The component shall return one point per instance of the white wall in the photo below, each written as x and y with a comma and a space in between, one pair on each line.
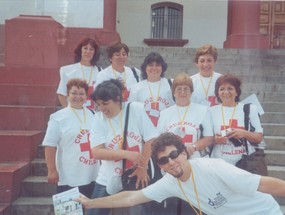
70, 13
204, 21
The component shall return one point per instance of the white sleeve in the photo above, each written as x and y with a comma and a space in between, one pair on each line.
62, 89
53, 134
207, 125
254, 119
98, 131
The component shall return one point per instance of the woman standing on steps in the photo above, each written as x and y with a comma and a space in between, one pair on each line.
228, 122
118, 56
68, 155
86, 57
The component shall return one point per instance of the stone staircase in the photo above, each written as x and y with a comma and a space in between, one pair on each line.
35, 98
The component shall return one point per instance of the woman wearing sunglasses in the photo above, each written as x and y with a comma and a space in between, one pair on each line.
107, 138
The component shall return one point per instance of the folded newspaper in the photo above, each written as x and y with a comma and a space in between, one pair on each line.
64, 203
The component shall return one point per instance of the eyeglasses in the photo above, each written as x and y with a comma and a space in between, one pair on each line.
164, 160
182, 89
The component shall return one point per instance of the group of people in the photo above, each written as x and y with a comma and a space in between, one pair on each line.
175, 130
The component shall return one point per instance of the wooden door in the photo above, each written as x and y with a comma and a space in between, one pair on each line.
272, 22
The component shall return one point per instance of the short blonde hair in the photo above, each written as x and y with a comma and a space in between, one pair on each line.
206, 49
182, 79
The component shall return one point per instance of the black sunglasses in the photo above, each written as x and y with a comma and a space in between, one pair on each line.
165, 159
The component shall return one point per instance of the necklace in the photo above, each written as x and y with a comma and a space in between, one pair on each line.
91, 74
114, 72
195, 190
208, 87
158, 92
121, 126
76, 114
223, 117
184, 116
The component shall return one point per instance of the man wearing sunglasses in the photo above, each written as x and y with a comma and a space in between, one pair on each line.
212, 186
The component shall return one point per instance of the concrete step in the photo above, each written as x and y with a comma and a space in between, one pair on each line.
275, 142
35, 76
265, 87
273, 117
275, 157
277, 171
24, 117
37, 95
273, 106
11, 176
32, 206
39, 167
273, 129
37, 186
26, 143
266, 96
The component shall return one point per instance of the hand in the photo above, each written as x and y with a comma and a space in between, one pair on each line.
86, 202
53, 177
236, 133
190, 148
142, 176
136, 157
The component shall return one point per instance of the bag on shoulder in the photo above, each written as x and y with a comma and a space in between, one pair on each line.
129, 183
256, 162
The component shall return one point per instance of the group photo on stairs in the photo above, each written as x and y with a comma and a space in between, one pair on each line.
92, 94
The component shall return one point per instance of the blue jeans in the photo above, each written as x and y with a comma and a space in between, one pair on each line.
99, 191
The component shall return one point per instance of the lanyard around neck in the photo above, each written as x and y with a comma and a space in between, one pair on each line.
223, 117
91, 74
208, 87
158, 91
196, 193
121, 126
184, 116
74, 111
114, 72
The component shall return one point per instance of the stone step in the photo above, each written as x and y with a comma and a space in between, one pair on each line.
11, 176
277, 171
32, 206
266, 96
35, 76
24, 117
26, 143
272, 129
275, 157
275, 142
273, 106
39, 167
265, 87
37, 186
24, 94
273, 117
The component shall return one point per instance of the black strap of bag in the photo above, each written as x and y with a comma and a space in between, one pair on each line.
125, 133
135, 74
246, 109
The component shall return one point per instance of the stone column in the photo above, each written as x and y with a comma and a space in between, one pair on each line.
243, 26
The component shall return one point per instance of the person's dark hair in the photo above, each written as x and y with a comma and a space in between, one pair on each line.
164, 140
116, 47
230, 79
84, 42
206, 49
77, 82
109, 90
153, 57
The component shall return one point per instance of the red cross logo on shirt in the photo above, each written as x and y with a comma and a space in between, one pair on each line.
92, 103
234, 124
154, 119
188, 138
133, 149
213, 100
85, 147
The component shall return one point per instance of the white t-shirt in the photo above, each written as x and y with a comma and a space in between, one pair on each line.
87, 73
228, 151
222, 190
156, 96
199, 94
140, 129
74, 161
189, 131
126, 77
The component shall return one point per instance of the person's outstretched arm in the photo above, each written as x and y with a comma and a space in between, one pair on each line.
273, 186
122, 199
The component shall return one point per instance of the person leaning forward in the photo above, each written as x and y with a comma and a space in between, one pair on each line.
208, 184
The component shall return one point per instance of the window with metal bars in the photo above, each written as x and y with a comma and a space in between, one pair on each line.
166, 21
